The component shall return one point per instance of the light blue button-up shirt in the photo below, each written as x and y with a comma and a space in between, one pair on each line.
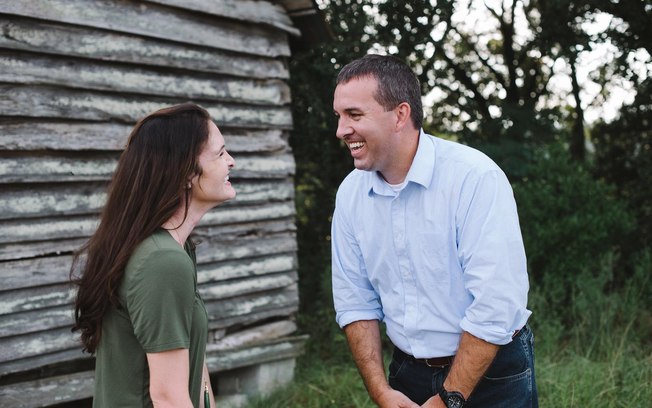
442, 256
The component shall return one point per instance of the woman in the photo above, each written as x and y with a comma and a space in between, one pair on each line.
137, 307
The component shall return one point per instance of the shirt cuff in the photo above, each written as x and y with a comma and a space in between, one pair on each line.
348, 317
490, 333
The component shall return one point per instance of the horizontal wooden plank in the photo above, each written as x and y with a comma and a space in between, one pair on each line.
262, 167
76, 386
49, 102
36, 321
277, 244
298, 7
26, 273
252, 11
268, 210
58, 168
28, 135
29, 69
26, 34
242, 232
233, 288
22, 250
48, 391
34, 298
47, 201
156, 21
222, 360
220, 271
55, 228
56, 200
52, 270
41, 360
47, 229
19, 347
255, 335
248, 309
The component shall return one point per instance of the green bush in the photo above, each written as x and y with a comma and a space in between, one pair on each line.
573, 227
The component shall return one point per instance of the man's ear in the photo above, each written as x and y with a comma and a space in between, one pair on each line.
403, 115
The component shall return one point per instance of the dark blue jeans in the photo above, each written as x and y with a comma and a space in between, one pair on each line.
508, 383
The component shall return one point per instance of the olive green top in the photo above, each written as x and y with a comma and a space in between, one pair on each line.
160, 310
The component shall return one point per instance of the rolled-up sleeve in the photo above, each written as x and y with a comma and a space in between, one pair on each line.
353, 295
492, 256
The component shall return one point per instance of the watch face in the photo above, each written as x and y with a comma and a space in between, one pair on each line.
454, 401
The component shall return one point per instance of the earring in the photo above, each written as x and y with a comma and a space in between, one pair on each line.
189, 186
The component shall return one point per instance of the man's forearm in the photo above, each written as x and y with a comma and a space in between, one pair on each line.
473, 358
364, 341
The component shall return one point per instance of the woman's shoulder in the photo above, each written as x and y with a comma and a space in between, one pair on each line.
160, 252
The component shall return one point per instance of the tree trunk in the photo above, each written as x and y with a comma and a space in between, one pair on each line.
577, 148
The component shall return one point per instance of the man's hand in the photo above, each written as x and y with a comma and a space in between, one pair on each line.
394, 399
434, 402
364, 341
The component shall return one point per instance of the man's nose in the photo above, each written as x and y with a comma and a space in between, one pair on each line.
343, 129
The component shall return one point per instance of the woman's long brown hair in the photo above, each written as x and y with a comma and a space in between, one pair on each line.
148, 186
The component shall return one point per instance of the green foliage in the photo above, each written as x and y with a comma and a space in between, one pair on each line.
322, 161
624, 158
490, 81
577, 382
573, 228
568, 218
586, 229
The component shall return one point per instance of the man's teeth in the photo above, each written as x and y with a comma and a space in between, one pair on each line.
356, 145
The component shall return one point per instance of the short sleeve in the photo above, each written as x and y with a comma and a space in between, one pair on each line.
160, 299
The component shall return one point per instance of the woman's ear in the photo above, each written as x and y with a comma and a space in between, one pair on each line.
192, 180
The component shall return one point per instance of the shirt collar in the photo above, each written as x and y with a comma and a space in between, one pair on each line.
420, 171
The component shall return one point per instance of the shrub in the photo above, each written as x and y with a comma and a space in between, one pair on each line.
573, 226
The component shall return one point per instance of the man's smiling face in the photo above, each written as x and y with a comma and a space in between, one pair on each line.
364, 125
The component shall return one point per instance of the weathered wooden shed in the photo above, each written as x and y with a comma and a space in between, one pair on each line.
75, 75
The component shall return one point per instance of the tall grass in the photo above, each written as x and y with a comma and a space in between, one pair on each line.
603, 360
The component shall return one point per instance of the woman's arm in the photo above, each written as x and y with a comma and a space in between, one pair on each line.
169, 372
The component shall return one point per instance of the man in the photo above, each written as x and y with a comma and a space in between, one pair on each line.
425, 237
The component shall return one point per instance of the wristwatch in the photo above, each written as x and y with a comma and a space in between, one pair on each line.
452, 399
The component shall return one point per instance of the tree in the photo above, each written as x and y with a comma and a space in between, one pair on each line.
623, 147
489, 71
322, 162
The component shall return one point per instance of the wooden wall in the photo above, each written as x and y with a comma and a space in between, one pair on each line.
75, 75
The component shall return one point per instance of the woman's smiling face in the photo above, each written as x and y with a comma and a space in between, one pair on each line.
213, 186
